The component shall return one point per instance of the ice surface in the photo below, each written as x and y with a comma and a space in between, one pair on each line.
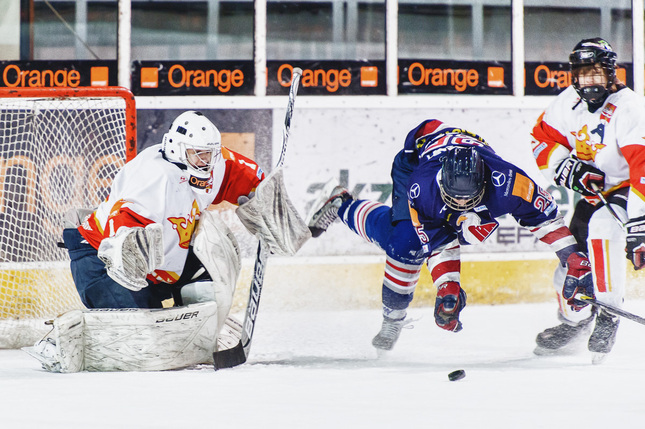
317, 369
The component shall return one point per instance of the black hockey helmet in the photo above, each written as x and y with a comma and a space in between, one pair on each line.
587, 53
462, 178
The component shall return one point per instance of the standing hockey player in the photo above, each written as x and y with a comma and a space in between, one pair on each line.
591, 139
456, 187
153, 239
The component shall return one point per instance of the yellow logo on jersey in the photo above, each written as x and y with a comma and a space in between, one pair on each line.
586, 150
185, 226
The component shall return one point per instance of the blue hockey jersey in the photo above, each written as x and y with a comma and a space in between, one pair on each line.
508, 190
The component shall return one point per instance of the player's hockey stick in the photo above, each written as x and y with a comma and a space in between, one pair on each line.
611, 309
238, 354
613, 213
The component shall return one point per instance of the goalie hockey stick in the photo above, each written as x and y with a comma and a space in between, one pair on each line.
611, 309
238, 354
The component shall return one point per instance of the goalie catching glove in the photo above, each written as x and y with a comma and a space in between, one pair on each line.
451, 299
578, 280
133, 253
579, 176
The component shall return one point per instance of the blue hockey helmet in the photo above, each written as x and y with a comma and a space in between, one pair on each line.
461, 180
589, 52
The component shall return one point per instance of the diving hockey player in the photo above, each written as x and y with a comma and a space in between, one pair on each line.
456, 186
591, 139
153, 239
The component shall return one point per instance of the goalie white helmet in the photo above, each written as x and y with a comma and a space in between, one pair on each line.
194, 142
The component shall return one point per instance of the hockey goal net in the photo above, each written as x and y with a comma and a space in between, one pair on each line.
59, 149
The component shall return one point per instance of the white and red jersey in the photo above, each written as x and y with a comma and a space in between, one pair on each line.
150, 189
612, 139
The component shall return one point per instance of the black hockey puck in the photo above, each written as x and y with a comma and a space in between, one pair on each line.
457, 375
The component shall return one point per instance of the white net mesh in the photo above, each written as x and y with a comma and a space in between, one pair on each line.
55, 155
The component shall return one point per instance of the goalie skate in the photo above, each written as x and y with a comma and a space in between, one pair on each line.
325, 209
45, 352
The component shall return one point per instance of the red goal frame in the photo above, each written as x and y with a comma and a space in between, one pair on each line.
89, 91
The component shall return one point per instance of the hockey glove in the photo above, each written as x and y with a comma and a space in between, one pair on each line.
578, 280
636, 242
474, 230
579, 176
451, 299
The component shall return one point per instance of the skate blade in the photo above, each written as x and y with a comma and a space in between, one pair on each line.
539, 351
598, 358
563, 351
381, 353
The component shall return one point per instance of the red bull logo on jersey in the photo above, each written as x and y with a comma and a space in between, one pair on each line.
185, 226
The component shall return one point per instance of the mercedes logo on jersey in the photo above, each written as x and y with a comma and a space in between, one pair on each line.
498, 178
415, 190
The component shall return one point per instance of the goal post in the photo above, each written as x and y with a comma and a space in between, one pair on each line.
59, 149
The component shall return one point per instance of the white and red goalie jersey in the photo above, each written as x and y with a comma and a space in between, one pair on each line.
150, 189
612, 139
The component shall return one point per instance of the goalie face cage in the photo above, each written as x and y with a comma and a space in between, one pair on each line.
59, 149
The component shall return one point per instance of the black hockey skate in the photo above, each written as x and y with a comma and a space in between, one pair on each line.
557, 340
325, 209
603, 337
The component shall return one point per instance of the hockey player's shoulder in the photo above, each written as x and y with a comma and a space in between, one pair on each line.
567, 98
426, 195
560, 107
148, 155
150, 163
241, 164
231, 155
626, 99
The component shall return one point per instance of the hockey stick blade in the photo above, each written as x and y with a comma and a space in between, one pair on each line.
610, 308
238, 354
230, 357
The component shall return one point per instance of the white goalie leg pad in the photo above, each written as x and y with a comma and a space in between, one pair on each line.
272, 218
203, 291
150, 340
130, 339
216, 247
133, 253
